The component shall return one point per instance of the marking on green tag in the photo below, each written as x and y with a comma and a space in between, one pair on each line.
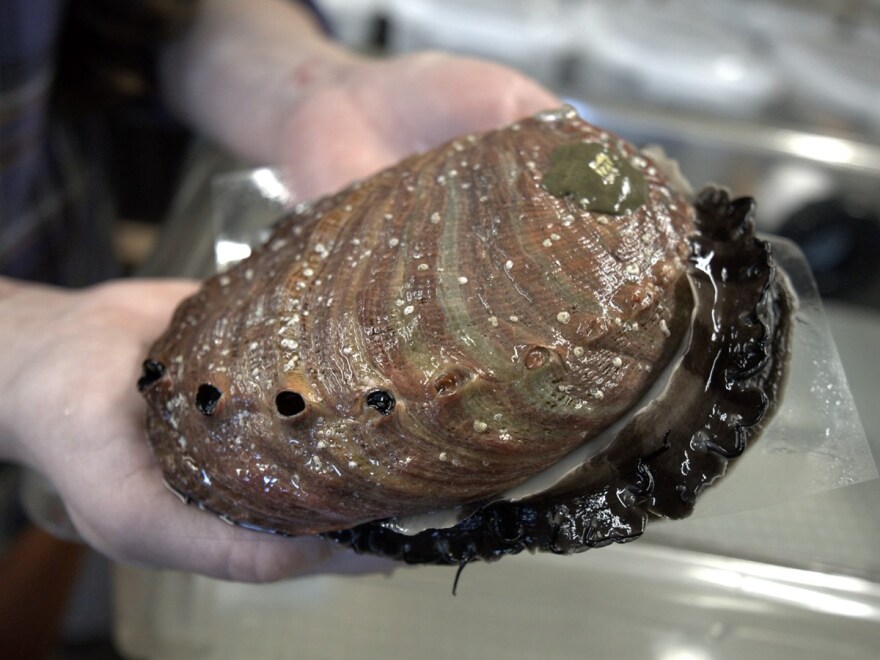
597, 178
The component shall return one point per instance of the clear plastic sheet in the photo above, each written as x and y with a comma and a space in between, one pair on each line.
244, 206
815, 442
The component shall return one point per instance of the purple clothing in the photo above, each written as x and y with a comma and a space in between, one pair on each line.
56, 211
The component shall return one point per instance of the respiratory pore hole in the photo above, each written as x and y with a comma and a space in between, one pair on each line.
381, 400
207, 398
289, 403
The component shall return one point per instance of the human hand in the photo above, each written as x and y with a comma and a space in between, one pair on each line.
69, 408
261, 79
372, 113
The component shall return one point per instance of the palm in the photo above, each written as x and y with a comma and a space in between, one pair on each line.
90, 440
383, 111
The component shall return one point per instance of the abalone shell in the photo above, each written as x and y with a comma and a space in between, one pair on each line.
439, 333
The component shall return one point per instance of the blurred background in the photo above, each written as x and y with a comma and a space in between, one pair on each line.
778, 99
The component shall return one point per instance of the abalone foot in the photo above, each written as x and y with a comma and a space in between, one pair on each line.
719, 397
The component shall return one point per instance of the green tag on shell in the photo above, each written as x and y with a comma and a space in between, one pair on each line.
599, 179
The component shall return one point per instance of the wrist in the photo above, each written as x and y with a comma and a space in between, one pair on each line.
35, 321
302, 78
243, 66
9, 329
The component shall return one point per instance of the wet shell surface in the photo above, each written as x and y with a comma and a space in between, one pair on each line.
444, 331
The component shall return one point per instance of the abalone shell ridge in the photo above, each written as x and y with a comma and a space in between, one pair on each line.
507, 324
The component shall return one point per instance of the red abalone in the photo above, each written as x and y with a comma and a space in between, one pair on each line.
443, 331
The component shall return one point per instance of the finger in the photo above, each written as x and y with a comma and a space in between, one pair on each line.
150, 298
146, 524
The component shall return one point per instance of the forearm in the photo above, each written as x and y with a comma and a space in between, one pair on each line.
243, 66
9, 289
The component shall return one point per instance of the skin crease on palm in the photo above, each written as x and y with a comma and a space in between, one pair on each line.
69, 360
